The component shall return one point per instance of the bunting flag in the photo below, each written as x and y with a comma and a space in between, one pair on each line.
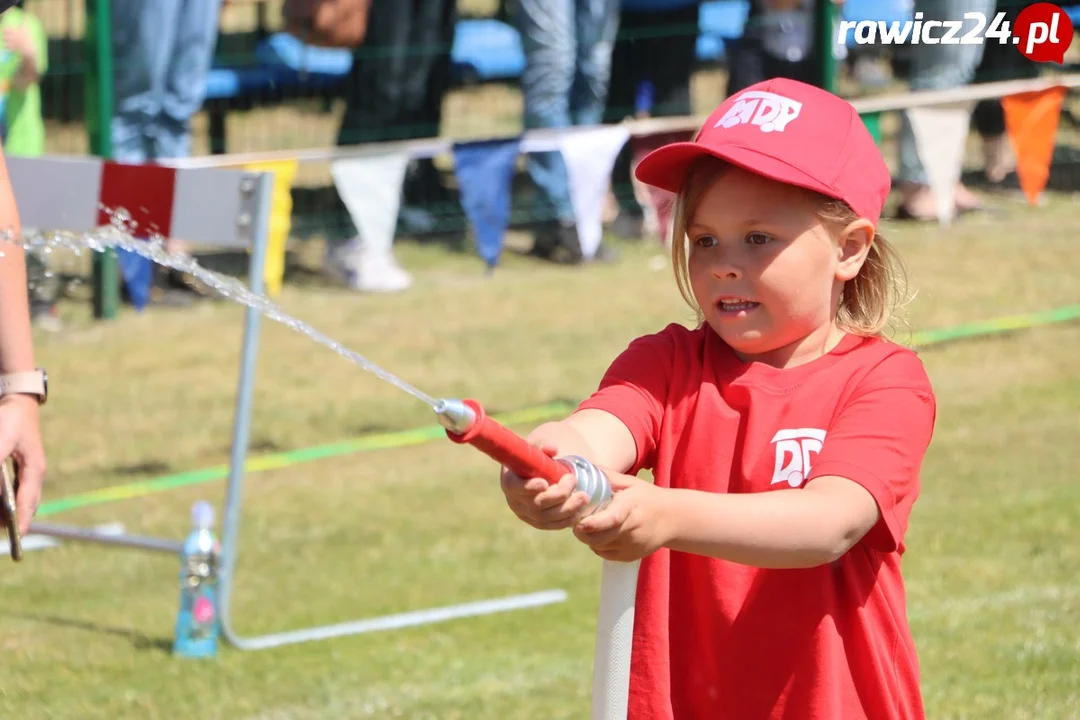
1031, 120
370, 187
940, 139
146, 193
590, 155
656, 202
485, 172
284, 172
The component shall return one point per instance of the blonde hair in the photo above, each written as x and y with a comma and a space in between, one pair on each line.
869, 300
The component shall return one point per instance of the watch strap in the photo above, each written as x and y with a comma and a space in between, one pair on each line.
31, 382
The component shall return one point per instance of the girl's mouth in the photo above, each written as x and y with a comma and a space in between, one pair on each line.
734, 306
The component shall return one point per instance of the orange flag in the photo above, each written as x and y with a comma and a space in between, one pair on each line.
1032, 120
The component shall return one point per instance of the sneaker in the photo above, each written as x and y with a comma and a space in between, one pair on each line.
605, 254
366, 270
558, 243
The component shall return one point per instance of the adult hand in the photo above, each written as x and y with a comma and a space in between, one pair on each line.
20, 438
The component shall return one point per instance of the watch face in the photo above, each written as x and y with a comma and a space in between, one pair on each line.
44, 385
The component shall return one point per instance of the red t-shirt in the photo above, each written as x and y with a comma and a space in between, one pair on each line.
716, 639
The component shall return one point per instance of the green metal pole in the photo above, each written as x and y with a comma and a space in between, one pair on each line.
824, 17
98, 94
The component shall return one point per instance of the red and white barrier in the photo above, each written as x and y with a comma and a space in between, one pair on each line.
210, 206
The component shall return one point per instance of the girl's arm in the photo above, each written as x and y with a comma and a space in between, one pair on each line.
595, 435
781, 529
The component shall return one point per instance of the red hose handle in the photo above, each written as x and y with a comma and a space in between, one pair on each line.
508, 448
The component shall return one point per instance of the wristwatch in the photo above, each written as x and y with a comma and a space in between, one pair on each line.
32, 382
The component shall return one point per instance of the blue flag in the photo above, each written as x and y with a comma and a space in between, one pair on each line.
484, 172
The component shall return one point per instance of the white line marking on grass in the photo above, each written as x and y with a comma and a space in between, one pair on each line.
42, 542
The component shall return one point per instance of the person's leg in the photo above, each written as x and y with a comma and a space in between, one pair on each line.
658, 48
630, 59
936, 67
432, 37
195, 29
141, 51
628, 66
676, 48
746, 63
597, 25
376, 101
999, 62
374, 88
549, 40
195, 36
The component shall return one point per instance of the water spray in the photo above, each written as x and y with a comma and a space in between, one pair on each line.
465, 422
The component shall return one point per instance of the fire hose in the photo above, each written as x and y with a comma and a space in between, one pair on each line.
466, 422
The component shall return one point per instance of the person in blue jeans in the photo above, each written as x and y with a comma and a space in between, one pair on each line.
162, 50
161, 55
568, 46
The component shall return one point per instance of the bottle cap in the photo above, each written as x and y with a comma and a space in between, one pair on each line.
202, 514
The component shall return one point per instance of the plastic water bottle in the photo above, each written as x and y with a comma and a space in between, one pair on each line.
197, 622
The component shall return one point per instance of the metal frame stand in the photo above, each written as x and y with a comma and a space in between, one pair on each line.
228, 208
233, 498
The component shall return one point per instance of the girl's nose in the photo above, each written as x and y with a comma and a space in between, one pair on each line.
726, 270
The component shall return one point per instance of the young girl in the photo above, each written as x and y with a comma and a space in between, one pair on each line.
784, 434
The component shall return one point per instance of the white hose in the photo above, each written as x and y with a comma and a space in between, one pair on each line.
614, 636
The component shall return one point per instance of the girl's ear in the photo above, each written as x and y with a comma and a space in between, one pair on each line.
853, 246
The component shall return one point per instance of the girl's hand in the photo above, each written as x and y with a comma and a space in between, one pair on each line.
629, 528
20, 438
544, 507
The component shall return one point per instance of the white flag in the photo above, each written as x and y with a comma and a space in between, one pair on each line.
370, 187
940, 138
590, 155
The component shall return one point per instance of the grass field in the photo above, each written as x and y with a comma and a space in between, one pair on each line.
993, 568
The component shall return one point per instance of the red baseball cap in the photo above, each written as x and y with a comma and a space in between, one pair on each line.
790, 132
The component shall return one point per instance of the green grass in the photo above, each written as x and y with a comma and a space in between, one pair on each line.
992, 567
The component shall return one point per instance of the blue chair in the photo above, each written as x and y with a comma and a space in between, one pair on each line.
720, 22
486, 50
224, 83
287, 52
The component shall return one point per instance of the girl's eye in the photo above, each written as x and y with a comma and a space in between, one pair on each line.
705, 241
757, 238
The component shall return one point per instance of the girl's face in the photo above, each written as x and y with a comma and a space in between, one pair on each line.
765, 271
